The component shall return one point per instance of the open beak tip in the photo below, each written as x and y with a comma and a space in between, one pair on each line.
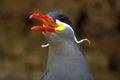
32, 28
34, 15
31, 16
37, 28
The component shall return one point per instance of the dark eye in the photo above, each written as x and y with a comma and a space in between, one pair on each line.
62, 18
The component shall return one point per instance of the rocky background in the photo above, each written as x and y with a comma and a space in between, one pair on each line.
22, 58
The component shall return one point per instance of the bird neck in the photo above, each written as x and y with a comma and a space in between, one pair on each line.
66, 53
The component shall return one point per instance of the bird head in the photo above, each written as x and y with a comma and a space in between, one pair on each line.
54, 24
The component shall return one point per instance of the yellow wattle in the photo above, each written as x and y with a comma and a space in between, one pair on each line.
60, 27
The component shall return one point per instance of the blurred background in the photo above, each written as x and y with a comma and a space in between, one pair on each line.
21, 55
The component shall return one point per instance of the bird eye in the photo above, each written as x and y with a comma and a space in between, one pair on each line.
62, 18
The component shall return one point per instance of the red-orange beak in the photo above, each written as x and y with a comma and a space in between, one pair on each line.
48, 22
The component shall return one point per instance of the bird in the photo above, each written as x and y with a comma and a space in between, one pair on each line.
66, 60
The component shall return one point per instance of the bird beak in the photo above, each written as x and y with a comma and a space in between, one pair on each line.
49, 24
